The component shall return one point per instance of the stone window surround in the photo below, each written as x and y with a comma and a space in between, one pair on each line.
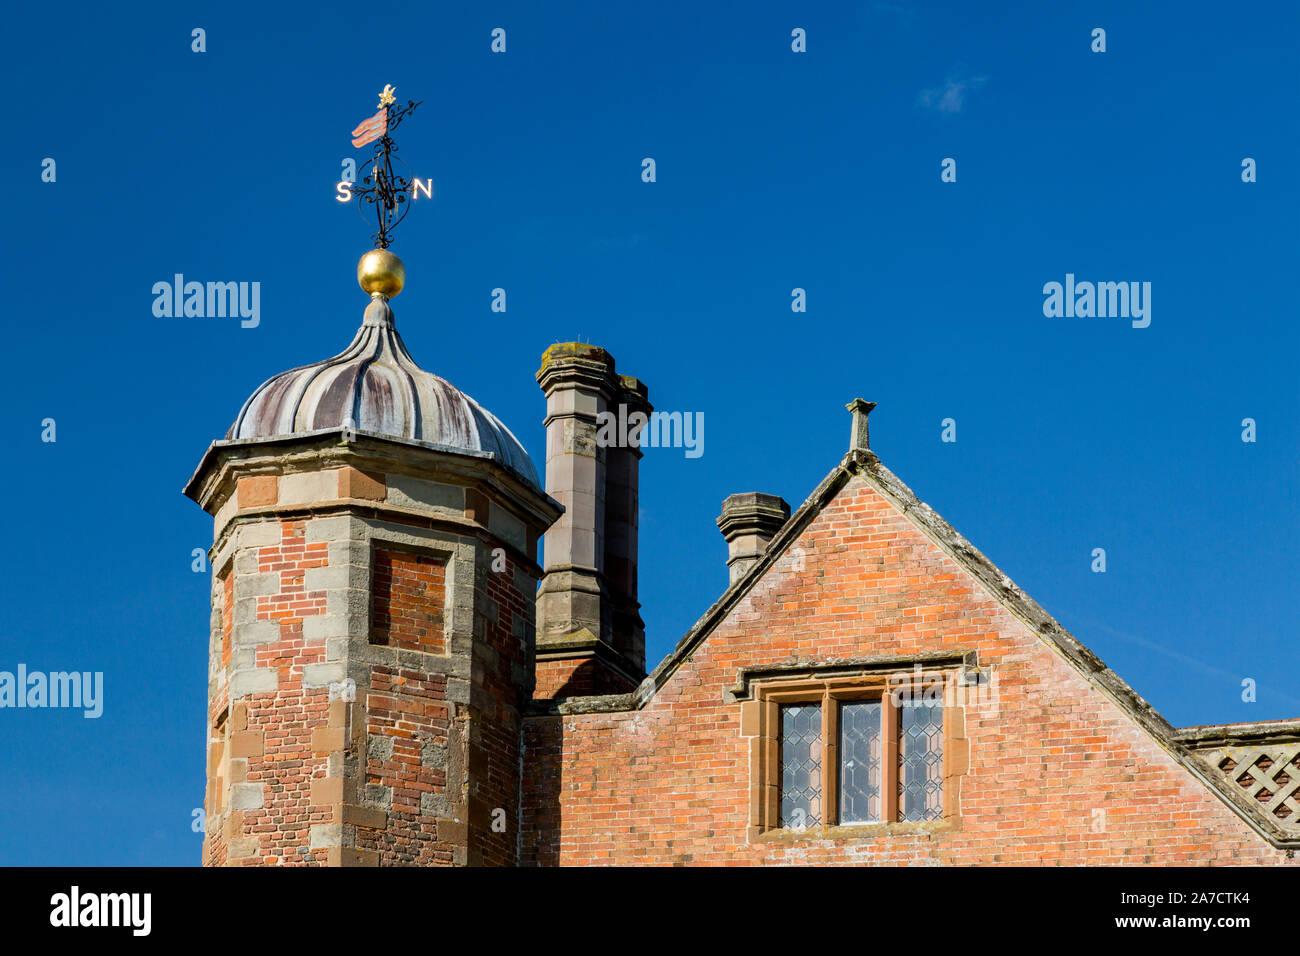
828, 685
455, 551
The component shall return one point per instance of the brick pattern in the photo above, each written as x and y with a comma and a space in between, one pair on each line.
406, 769
407, 601
578, 677
502, 662
272, 761
1057, 772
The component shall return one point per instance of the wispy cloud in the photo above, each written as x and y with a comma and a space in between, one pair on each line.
950, 97
1193, 662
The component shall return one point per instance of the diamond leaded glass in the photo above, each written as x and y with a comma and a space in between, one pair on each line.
860, 762
920, 760
801, 765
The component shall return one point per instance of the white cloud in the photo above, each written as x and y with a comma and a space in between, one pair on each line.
950, 97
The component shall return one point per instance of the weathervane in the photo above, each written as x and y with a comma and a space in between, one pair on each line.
382, 188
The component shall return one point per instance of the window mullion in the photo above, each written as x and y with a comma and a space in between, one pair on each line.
888, 759
830, 761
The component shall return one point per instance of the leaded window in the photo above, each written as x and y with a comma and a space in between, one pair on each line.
860, 761
851, 754
920, 761
801, 765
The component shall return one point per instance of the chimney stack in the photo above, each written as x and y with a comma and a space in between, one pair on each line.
749, 521
622, 507
590, 637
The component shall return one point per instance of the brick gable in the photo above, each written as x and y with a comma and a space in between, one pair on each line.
1065, 765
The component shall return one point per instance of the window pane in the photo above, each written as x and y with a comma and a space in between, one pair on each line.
801, 765
920, 760
860, 762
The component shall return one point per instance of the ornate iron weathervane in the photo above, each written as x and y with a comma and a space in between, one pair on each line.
382, 188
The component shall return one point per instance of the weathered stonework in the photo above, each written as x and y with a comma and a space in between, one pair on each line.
749, 521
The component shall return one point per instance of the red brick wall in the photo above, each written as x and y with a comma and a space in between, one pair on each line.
501, 665
276, 736
407, 602
670, 783
480, 743
578, 677
410, 708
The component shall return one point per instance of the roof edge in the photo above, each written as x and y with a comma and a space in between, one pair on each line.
353, 444
222, 444
1211, 736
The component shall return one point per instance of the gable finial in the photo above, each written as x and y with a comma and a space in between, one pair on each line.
858, 432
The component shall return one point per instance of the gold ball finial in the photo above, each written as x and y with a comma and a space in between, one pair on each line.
381, 273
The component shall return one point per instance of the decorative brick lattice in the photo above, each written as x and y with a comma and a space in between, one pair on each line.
1269, 775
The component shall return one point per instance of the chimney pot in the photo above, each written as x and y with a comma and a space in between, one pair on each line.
749, 521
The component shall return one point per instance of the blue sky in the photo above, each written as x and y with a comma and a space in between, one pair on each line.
775, 170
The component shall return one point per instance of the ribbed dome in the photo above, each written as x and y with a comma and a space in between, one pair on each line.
375, 386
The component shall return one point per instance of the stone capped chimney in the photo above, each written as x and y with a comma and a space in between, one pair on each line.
749, 521
590, 637
622, 507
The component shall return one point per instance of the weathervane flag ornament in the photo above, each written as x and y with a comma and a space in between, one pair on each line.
369, 130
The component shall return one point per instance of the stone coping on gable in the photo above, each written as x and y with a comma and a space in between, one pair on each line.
1213, 736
